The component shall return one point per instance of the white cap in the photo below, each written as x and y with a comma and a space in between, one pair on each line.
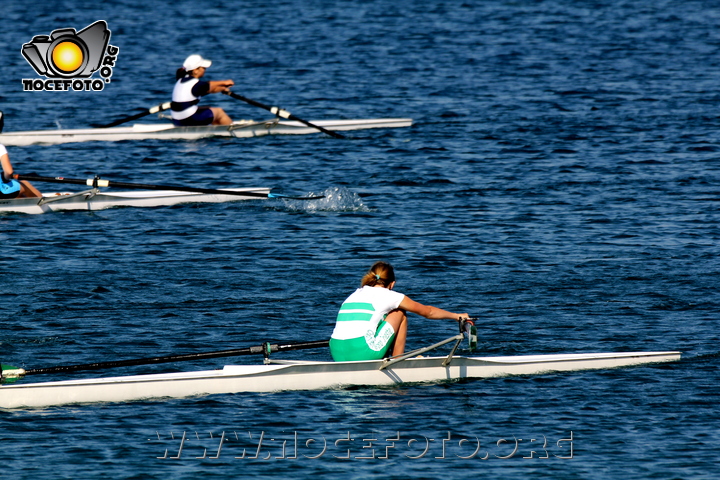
195, 61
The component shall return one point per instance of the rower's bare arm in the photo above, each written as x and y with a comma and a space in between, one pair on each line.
6, 166
217, 86
428, 311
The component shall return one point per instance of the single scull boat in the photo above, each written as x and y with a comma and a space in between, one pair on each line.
275, 375
167, 131
94, 199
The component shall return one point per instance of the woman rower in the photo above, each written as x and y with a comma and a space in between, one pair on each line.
188, 90
9, 187
373, 318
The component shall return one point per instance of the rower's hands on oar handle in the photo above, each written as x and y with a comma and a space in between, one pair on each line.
467, 327
221, 86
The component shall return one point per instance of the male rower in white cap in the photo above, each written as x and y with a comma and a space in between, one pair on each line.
188, 90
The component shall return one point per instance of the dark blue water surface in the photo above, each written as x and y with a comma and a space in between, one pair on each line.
560, 183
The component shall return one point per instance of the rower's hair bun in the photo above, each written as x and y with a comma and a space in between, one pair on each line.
381, 273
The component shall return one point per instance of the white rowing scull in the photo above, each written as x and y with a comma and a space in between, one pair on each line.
94, 199
168, 131
277, 375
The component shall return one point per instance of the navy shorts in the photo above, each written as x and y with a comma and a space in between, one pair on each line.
203, 116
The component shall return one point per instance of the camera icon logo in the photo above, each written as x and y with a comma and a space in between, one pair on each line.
66, 53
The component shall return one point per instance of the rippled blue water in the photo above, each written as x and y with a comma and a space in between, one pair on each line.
560, 183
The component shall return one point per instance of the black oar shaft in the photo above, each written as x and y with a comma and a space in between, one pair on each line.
264, 349
283, 113
98, 182
107, 183
156, 109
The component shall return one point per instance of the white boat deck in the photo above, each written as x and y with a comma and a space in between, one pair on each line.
89, 200
168, 131
294, 375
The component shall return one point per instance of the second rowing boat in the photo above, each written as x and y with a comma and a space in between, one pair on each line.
96, 200
167, 131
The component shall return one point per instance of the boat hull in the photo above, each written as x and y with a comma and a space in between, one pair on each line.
53, 202
279, 376
242, 129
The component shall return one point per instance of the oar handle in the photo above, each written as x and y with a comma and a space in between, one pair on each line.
282, 113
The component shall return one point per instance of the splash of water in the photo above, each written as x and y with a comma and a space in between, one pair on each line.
336, 199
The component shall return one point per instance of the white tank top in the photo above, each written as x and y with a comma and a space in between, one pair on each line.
183, 99
364, 310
